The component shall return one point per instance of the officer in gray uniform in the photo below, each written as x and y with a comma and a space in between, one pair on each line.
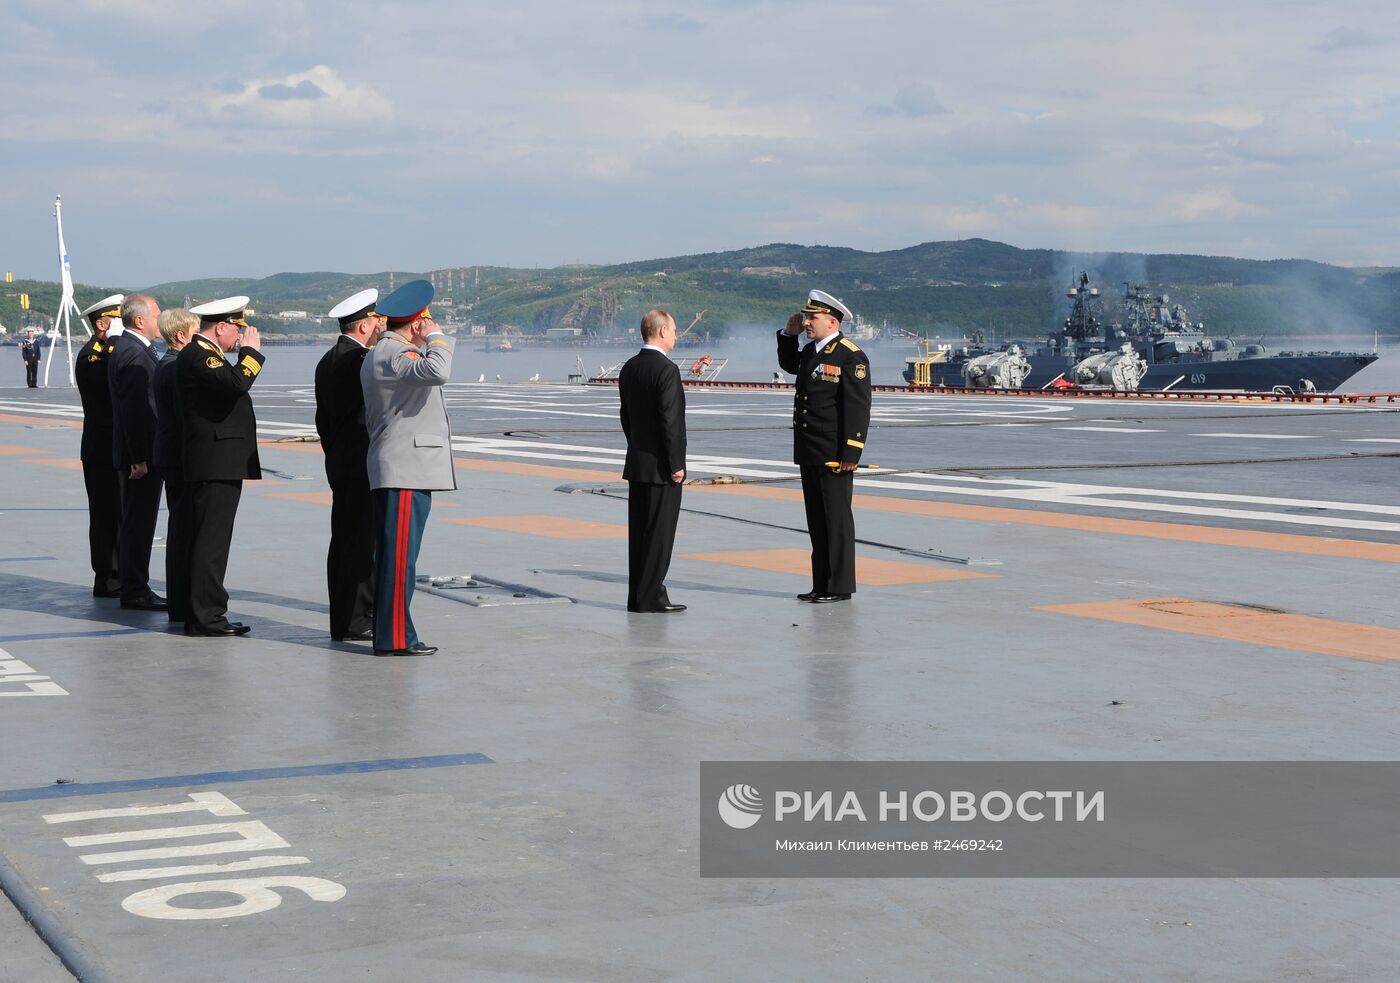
830, 420
410, 453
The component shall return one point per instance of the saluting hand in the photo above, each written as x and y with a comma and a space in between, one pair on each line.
794, 325
251, 338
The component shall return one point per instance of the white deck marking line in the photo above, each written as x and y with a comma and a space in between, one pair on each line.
1111, 429
1258, 436
1371, 440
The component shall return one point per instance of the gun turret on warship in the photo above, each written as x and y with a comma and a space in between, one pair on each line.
1154, 347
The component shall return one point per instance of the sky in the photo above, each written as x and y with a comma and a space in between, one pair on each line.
248, 137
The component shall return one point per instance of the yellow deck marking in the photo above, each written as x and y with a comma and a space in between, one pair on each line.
553, 526
1298, 632
7, 449
66, 463
872, 573
47, 421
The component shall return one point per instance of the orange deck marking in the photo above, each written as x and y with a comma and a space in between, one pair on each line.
66, 463
6, 449
1280, 542
1300, 633
48, 421
552, 526
539, 470
872, 573
315, 498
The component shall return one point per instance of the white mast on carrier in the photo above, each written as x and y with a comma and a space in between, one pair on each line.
67, 308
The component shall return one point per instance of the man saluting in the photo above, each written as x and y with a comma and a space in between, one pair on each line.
410, 453
340, 423
830, 419
219, 449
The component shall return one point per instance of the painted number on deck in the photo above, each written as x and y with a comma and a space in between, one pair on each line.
17, 679
252, 895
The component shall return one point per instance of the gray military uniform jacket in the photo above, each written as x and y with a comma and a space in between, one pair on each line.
410, 442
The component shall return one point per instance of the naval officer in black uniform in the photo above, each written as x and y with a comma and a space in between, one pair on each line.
104, 493
653, 418
340, 421
831, 417
29, 351
219, 447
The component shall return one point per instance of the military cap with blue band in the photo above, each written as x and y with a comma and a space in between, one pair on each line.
408, 303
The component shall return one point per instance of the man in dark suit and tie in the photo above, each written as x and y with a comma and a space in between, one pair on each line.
104, 490
653, 418
131, 376
219, 447
340, 421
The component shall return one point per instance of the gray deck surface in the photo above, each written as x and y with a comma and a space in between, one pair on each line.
572, 854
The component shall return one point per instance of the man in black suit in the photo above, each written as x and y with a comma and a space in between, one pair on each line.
340, 421
219, 445
177, 327
653, 418
830, 421
104, 490
131, 376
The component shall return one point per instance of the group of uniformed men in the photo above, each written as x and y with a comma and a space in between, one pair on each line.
185, 422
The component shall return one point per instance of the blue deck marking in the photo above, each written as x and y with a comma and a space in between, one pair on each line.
251, 775
46, 635
22, 559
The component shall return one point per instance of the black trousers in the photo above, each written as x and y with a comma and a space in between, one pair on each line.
104, 495
350, 559
213, 506
652, 511
31, 374
177, 548
827, 496
140, 510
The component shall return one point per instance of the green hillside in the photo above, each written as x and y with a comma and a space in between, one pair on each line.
943, 287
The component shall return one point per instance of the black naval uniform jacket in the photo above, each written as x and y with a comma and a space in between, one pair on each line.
340, 411
831, 414
219, 437
653, 418
90, 373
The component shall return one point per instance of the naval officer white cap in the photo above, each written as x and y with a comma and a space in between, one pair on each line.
110, 306
355, 306
820, 302
230, 309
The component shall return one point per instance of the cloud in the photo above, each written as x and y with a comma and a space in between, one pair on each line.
317, 97
915, 100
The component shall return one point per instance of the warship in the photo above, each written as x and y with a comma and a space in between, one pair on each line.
1154, 347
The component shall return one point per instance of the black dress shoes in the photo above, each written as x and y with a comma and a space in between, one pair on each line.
151, 602
355, 636
811, 594
664, 609
829, 598
226, 631
417, 648
103, 592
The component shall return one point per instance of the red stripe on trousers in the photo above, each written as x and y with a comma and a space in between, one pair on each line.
401, 569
